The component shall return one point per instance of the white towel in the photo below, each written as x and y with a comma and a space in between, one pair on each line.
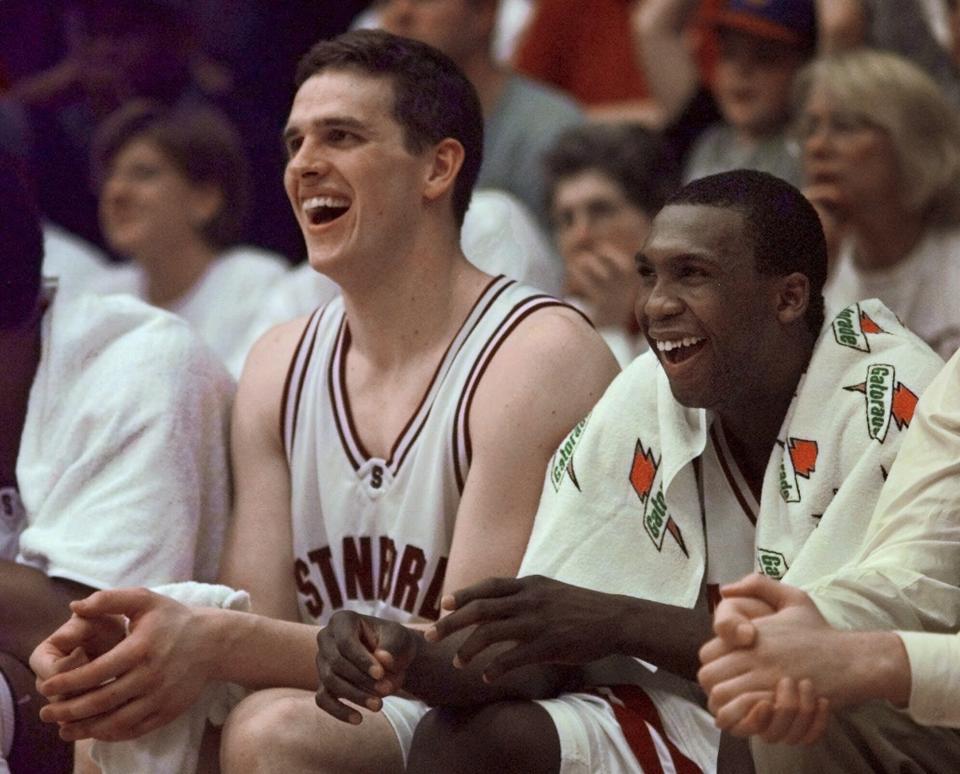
620, 508
122, 467
174, 748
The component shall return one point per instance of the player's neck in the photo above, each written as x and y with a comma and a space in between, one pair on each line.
752, 425
415, 312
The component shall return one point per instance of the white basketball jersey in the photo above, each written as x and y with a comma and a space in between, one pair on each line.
370, 534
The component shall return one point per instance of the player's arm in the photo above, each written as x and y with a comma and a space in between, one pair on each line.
543, 380
258, 554
172, 651
549, 622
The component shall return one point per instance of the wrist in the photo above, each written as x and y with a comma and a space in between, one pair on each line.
892, 681
876, 668
214, 638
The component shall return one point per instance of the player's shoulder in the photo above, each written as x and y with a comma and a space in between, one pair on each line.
553, 327
552, 346
270, 356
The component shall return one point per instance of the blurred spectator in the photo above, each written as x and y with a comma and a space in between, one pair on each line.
605, 183
916, 29
586, 49
762, 46
173, 195
113, 52
521, 118
881, 154
71, 63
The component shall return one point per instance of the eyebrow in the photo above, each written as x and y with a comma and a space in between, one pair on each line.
641, 257
343, 122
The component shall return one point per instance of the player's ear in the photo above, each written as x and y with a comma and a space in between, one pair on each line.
445, 163
793, 297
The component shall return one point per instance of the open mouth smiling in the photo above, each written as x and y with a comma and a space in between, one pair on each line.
325, 209
676, 351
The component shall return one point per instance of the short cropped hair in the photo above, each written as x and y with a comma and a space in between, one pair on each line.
886, 91
200, 141
783, 226
21, 246
634, 157
433, 99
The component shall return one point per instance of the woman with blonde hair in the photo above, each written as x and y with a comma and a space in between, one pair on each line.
881, 155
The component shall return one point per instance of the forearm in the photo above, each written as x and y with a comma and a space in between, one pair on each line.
31, 606
259, 652
434, 679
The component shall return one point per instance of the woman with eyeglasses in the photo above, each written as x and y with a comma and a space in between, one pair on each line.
880, 147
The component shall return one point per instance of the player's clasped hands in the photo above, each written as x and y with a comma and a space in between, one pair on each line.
756, 678
110, 684
548, 622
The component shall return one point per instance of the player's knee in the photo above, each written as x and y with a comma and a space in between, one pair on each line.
258, 732
506, 737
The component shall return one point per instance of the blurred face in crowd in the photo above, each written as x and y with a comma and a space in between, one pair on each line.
845, 152
753, 80
591, 214
455, 27
146, 201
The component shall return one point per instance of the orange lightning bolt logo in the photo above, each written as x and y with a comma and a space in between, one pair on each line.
642, 472
904, 404
803, 455
867, 325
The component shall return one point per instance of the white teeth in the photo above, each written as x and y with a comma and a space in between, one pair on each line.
315, 202
687, 341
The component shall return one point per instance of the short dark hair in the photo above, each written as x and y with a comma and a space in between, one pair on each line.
634, 157
433, 100
21, 246
201, 143
784, 227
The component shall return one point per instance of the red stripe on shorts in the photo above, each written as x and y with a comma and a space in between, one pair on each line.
634, 715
